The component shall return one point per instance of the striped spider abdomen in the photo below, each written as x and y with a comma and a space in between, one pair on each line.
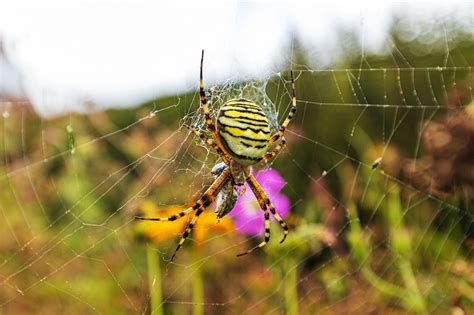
244, 130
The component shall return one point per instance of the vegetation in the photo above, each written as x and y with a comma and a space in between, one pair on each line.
379, 178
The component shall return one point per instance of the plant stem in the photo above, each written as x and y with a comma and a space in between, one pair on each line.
154, 281
197, 286
383, 286
291, 287
400, 242
416, 299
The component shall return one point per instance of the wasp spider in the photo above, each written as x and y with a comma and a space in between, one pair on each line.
241, 137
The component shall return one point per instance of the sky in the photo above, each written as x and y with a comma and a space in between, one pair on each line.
62, 55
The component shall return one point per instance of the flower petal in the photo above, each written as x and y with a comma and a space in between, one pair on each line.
250, 223
281, 204
270, 180
247, 214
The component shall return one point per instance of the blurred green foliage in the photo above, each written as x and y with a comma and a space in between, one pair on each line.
363, 239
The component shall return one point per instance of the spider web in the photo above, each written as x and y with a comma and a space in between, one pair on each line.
367, 233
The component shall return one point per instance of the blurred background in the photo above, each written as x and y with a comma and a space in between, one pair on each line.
376, 182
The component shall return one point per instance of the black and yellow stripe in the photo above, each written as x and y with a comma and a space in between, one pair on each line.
205, 108
244, 130
292, 112
265, 202
201, 204
266, 237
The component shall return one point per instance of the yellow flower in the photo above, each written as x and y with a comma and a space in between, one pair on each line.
207, 222
159, 232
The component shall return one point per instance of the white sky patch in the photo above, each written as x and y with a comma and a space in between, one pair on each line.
121, 53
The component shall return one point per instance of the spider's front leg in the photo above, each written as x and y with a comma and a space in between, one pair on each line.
264, 202
267, 233
201, 204
263, 199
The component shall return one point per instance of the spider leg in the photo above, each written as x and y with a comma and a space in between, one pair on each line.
292, 112
202, 94
264, 201
170, 218
202, 203
211, 143
276, 150
188, 230
242, 191
267, 234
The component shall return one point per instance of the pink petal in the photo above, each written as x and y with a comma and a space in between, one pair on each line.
247, 215
270, 180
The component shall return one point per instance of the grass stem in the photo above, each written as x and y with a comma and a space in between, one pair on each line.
197, 286
291, 287
154, 281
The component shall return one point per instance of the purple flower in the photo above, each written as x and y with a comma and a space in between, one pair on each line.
247, 214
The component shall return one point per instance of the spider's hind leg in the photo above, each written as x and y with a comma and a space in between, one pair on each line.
276, 150
210, 142
205, 108
279, 134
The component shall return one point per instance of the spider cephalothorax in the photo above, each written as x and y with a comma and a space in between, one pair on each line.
241, 136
